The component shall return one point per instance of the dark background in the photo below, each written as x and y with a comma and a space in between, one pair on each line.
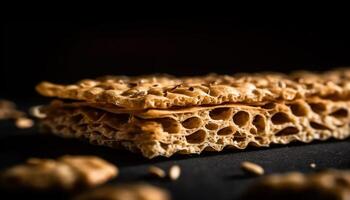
65, 51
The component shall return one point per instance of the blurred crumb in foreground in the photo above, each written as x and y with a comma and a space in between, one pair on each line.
138, 191
9, 111
324, 185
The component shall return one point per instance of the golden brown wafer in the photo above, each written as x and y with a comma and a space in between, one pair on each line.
161, 115
193, 130
164, 91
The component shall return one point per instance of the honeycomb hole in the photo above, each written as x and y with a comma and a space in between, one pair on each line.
191, 123
260, 140
238, 137
317, 107
298, 109
269, 106
290, 130
197, 137
226, 131
340, 113
253, 131
211, 126
319, 126
220, 113
209, 148
169, 125
164, 146
115, 121
259, 123
241, 118
280, 118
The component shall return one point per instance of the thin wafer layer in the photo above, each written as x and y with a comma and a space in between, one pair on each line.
163, 91
193, 130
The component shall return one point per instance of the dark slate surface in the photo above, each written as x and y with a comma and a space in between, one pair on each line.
207, 176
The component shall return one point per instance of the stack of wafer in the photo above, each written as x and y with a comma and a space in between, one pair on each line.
160, 115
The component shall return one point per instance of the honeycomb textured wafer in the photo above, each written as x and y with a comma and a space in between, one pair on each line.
163, 91
330, 184
155, 132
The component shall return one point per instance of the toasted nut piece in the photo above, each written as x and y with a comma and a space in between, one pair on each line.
140, 191
174, 172
156, 171
35, 112
252, 168
313, 165
24, 122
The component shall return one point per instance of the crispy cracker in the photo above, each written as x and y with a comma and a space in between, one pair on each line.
161, 115
163, 91
193, 130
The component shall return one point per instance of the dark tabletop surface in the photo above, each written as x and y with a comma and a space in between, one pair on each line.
66, 51
207, 176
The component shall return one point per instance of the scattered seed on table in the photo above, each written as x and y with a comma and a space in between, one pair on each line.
313, 165
252, 168
156, 171
174, 172
23, 122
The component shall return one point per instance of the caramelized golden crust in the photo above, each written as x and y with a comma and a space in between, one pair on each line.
163, 91
193, 130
